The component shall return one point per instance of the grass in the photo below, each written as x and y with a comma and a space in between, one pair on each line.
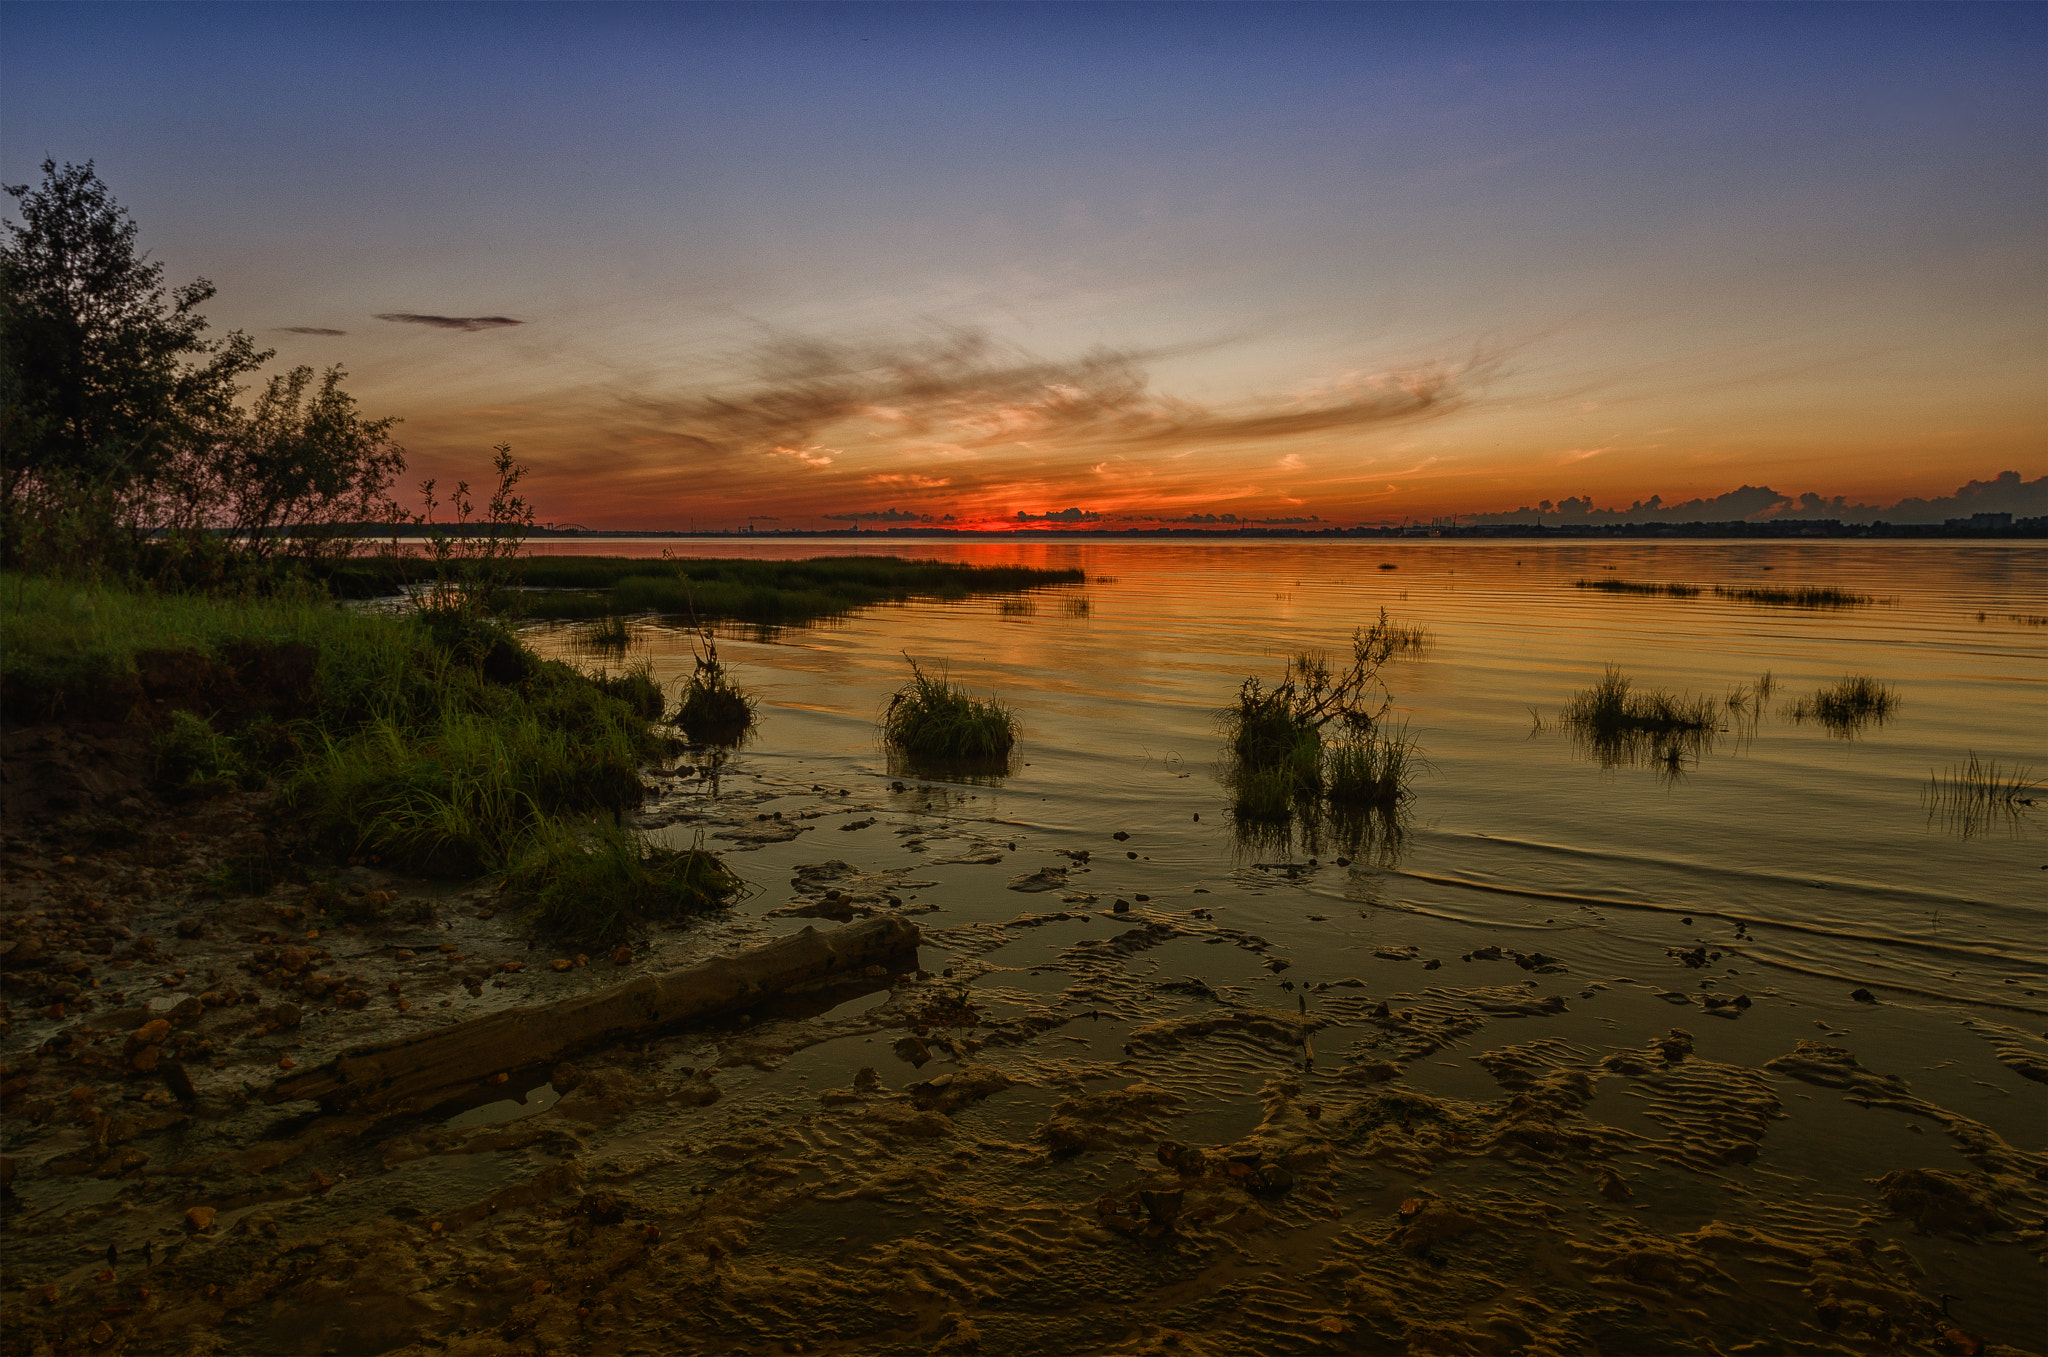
768, 593
609, 632
1803, 596
1849, 704
1283, 760
1370, 768
1639, 587
1624, 725
399, 740
596, 881
934, 718
714, 710
1971, 798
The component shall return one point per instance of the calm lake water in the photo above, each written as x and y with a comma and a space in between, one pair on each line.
1822, 842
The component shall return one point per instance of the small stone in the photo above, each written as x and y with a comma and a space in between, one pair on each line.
1120, 836
200, 1218
1863, 996
623, 956
562, 963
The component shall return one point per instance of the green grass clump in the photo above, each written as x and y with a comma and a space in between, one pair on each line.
1639, 587
425, 744
593, 882
1849, 705
1264, 795
767, 593
1804, 596
609, 632
1623, 725
934, 718
714, 710
1612, 707
634, 686
1370, 768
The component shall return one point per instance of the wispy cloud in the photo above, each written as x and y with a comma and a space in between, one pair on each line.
961, 386
444, 322
308, 330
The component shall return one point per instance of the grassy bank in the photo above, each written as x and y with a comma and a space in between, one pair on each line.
770, 593
442, 750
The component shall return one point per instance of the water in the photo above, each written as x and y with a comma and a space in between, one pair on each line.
1794, 1016
1822, 844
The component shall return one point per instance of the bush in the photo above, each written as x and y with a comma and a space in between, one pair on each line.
592, 882
194, 759
932, 718
714, 709
636, 688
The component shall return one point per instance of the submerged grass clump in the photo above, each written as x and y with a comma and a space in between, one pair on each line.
1282, 759
1639, 587
1848, 705
714, 710
1622, 725
607, 633
1613, 708
1969, 799
1803, 596
595, 881
934, 718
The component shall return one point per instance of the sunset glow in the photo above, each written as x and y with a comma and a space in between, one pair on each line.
816, 266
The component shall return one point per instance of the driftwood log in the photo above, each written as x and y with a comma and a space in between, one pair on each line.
409, 1069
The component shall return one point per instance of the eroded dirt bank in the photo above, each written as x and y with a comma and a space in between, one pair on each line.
1083, 1120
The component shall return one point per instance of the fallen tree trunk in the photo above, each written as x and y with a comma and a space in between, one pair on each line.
387, 1073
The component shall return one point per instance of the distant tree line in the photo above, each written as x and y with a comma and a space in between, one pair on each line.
125, 441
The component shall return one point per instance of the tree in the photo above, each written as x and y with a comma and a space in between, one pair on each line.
106, 375
279, 478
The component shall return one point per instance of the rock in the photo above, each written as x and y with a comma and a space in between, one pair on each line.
200, 1218
623, 956
1120, 836
1863, 996
1044, 879
914, 1050
1614, 1187
286, 1015
562, 963
151, 1033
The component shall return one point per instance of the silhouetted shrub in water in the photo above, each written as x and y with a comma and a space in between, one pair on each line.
1639, 587
1804, 596
934, 718
1624, 726
635, 687
593, 882
1016, 607
1279, 759
713, 709
1849, 705
607, 633
1370, 767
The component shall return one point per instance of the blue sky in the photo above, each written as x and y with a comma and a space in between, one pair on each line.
1358, 261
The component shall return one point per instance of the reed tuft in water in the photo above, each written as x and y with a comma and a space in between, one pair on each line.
1849, 705
1639, 587
713, 710
606, 633
1969, 799
1622, 725
1802, 596
934, 718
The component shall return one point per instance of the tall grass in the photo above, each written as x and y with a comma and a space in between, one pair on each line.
609, 632
714, 710
1282, 757
769, 593
936, 719
591, 882
1848, 705
1639, 587
1803, 596
1624, 725
1969, 799
1371, 767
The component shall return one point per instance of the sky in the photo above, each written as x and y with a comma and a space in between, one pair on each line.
797, 265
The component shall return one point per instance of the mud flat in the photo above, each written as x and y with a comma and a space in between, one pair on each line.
1081, 1119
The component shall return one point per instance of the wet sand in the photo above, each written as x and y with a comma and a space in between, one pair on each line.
1095, 1118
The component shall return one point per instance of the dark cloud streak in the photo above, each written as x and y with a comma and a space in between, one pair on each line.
308, 330
467, 323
